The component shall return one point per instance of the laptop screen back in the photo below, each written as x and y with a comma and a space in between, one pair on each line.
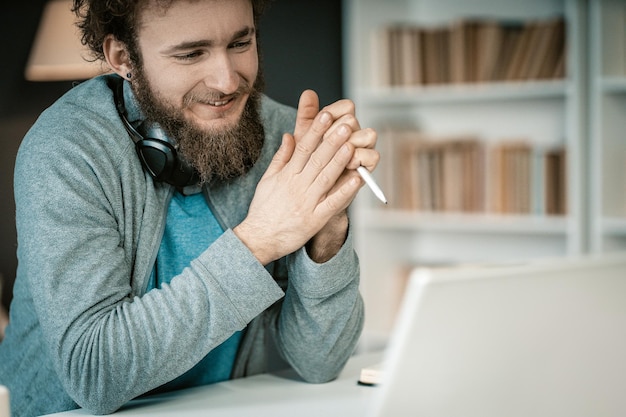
543, 339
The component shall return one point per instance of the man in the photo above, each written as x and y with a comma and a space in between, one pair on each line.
135, 278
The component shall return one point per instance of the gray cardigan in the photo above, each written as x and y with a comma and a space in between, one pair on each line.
83, 330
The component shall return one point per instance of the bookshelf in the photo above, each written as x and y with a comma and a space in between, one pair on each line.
607, 145
545, 113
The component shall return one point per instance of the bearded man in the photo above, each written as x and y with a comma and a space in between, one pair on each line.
176, 227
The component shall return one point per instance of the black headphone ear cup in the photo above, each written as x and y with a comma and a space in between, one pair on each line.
158, 157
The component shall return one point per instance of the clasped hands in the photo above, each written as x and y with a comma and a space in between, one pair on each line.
303, 196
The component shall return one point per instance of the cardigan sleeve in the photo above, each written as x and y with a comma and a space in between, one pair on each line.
322, 314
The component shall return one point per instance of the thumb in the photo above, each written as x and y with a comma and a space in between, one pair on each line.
308, 107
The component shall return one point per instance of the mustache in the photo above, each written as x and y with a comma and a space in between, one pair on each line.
211, 96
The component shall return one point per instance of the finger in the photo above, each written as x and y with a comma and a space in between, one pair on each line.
308, 108
364, 138
341, 195
340, 108
282, 156
369, 158
309, 141
348, 119
327, 178
325, 153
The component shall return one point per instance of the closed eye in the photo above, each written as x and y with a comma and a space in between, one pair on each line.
190, 56
241, 44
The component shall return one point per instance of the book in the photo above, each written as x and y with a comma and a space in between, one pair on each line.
511, 33
549, 47
461, 50
410, 47
521, 52
430, 55
510, 177
555, 181
489, 38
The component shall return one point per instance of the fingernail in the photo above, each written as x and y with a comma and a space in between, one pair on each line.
325, 118
343, 130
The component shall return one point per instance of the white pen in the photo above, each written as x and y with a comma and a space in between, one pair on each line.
369, 180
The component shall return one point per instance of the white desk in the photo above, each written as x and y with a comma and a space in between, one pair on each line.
267, 395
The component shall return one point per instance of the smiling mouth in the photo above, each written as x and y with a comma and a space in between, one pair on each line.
210, 100
218, 103
212, 109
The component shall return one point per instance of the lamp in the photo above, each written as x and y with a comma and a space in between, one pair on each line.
57, 53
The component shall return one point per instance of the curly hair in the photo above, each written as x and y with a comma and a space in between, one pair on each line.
99, 18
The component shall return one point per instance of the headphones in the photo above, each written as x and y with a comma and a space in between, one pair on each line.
157, 155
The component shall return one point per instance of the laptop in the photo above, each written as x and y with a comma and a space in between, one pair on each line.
547, 338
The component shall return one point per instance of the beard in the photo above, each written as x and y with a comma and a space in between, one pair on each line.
216, 154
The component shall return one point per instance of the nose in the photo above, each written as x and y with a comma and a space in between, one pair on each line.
221, 74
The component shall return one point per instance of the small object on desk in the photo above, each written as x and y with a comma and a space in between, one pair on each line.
371, 375
369, 180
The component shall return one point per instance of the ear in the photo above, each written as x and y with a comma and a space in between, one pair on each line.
117, 56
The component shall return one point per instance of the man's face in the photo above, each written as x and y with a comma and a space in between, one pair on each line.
199, 65
201, 57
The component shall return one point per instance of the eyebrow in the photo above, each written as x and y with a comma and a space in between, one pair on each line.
186, 45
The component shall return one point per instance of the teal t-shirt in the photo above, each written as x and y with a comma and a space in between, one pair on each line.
190, 228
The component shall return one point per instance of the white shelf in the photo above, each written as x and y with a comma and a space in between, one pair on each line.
613, 85
463, 222
547, 113
459, 93
614, 226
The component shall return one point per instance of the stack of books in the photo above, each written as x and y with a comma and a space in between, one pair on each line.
469, 51
464, 174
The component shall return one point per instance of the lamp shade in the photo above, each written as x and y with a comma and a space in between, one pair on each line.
57, 53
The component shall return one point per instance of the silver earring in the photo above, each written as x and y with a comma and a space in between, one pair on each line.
128, 75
